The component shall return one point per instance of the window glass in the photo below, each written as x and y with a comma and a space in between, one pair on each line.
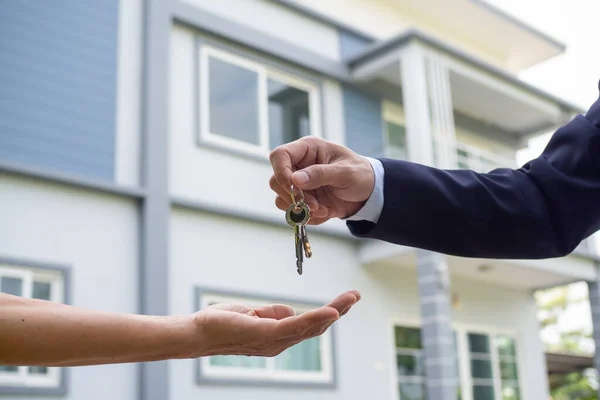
509, 373
238, 361
396, 135
41, 290
288, 113
305, 356
233, 101
410, 363
12, 286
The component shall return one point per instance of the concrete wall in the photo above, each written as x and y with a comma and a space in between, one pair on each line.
277, 20
97, 236
128, 130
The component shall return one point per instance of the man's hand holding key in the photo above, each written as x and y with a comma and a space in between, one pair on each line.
336, 181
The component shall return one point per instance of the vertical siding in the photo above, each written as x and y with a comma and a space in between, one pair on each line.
351, 44
58, 85
363, 122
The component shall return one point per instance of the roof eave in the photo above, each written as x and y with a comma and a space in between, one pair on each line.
560, 46
401, 40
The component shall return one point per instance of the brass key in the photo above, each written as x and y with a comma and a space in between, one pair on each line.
297, 215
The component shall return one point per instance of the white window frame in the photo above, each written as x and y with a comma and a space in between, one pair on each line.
28, 275
269, 373
263, 72
464, 360
405, 323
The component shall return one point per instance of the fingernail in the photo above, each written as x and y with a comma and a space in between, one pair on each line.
301, 178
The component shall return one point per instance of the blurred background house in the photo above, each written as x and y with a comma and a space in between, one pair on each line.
134, 142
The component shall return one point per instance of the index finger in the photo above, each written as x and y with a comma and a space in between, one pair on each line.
283, 159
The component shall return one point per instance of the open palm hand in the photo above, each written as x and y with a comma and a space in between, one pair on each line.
235, 329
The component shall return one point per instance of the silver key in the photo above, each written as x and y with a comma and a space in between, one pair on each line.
299, 246
297, 215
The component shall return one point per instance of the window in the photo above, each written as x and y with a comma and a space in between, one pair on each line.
480, 359
251, 107
487, 364
395, 131
493, 366
410, 362
509, 374
308, 362
38, 284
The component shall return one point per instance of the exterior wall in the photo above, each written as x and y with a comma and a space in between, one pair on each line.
58, 74
201, 256
334, 128
96, 236
277, 20
129, 93
352, 44
363, 122
198, 171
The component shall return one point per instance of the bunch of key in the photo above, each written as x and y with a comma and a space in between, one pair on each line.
297, 216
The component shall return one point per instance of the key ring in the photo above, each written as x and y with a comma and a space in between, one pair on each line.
294, 200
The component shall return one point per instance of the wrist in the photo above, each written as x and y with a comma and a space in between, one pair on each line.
177, 338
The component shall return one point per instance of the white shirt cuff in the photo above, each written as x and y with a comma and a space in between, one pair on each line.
372, 208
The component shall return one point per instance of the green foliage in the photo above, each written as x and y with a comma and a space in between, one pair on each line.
574, 386
552, 304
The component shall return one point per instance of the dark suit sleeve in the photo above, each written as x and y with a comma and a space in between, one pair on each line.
544, 209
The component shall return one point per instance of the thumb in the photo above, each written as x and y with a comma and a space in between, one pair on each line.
318, 175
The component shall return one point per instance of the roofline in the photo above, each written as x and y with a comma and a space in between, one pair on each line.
325, 18
521, 24
293, 4
396, 42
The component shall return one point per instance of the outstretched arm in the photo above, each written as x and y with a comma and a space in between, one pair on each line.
37, 332
544, 209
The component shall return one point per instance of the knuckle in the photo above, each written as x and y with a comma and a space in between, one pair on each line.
273, 183
274, 153
315, 172
311, 140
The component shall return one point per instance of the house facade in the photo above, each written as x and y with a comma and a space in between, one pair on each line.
134, 178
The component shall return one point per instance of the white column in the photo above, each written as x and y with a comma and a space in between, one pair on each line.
428, 107
442, 116
413, 74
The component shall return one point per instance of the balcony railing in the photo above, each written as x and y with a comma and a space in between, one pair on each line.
452, 155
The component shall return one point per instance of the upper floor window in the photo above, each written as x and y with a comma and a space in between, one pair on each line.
308, 362
394, 131
252, 107
37, 284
